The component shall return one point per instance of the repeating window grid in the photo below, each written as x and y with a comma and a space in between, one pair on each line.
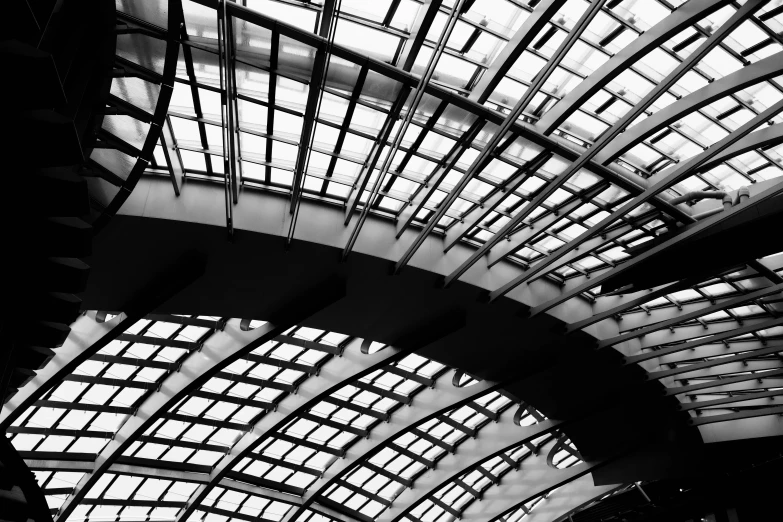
205, 425
119, 496
107, 403
371, 492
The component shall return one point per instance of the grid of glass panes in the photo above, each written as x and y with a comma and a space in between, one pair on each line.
297, 455
369, 489
83, 412
453, 498
203, 426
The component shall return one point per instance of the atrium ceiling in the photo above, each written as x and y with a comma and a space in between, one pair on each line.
516, 153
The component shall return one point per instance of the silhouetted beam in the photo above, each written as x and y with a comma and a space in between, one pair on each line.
761, 412
565, 500
628, 303
714, 362
533, 479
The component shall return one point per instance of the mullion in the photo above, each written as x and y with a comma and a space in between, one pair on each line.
270, 115
338, 146
188, 56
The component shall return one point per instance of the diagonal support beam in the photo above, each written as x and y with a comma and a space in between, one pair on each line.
760, 71
761, 139
419, 29
681, 318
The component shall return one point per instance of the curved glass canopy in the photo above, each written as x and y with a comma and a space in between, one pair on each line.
553, 135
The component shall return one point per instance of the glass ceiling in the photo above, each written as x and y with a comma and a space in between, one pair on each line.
537, 126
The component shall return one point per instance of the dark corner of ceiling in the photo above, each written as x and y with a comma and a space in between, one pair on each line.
58, 56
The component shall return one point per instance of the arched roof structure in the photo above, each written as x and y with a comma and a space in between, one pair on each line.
407, 210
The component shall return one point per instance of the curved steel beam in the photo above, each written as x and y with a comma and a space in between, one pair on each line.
492, 440
565, 500
686, 15
537, 20
750, 75
558, 145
